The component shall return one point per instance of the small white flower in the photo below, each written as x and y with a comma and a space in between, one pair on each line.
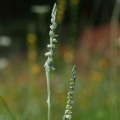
47, 54
54, 40
72, 83
52, 68
45, 64
72, 87
68, 116
70, 101
49, 46
69, 97
68, 107
68, 112
54, 25
70, 93
51, 26
56, 35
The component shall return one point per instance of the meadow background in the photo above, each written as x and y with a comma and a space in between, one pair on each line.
89, 36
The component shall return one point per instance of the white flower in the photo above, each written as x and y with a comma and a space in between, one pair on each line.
49, 46
70, 93
70, 101
52, 68
54, 40
69, 97
47, 54
68, 107
68, 117
68, 112
45, 64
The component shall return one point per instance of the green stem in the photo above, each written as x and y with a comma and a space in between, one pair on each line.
49, 93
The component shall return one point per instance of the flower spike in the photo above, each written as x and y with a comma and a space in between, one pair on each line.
67, 115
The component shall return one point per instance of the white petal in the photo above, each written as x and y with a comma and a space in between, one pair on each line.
54, 40
47, 54
45, 64
52, 68
68, 116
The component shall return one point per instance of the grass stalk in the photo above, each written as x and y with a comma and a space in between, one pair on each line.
49, 94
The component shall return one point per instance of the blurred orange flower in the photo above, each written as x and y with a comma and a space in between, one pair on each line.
32, 55
96, 76
22, 79
35, 69
102, 64
68, 56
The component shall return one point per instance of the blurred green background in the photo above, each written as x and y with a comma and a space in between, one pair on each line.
88, 36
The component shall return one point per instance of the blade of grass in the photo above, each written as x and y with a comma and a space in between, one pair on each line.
7, 108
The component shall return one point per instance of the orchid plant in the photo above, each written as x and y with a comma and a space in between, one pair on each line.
48, 67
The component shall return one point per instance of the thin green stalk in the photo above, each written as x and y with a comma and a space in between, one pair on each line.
49, 94
50, 55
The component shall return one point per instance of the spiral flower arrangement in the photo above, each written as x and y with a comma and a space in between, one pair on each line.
48, 67
50, 55
51, 46
68, 112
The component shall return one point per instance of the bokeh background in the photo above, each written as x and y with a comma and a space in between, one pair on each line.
88, 36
